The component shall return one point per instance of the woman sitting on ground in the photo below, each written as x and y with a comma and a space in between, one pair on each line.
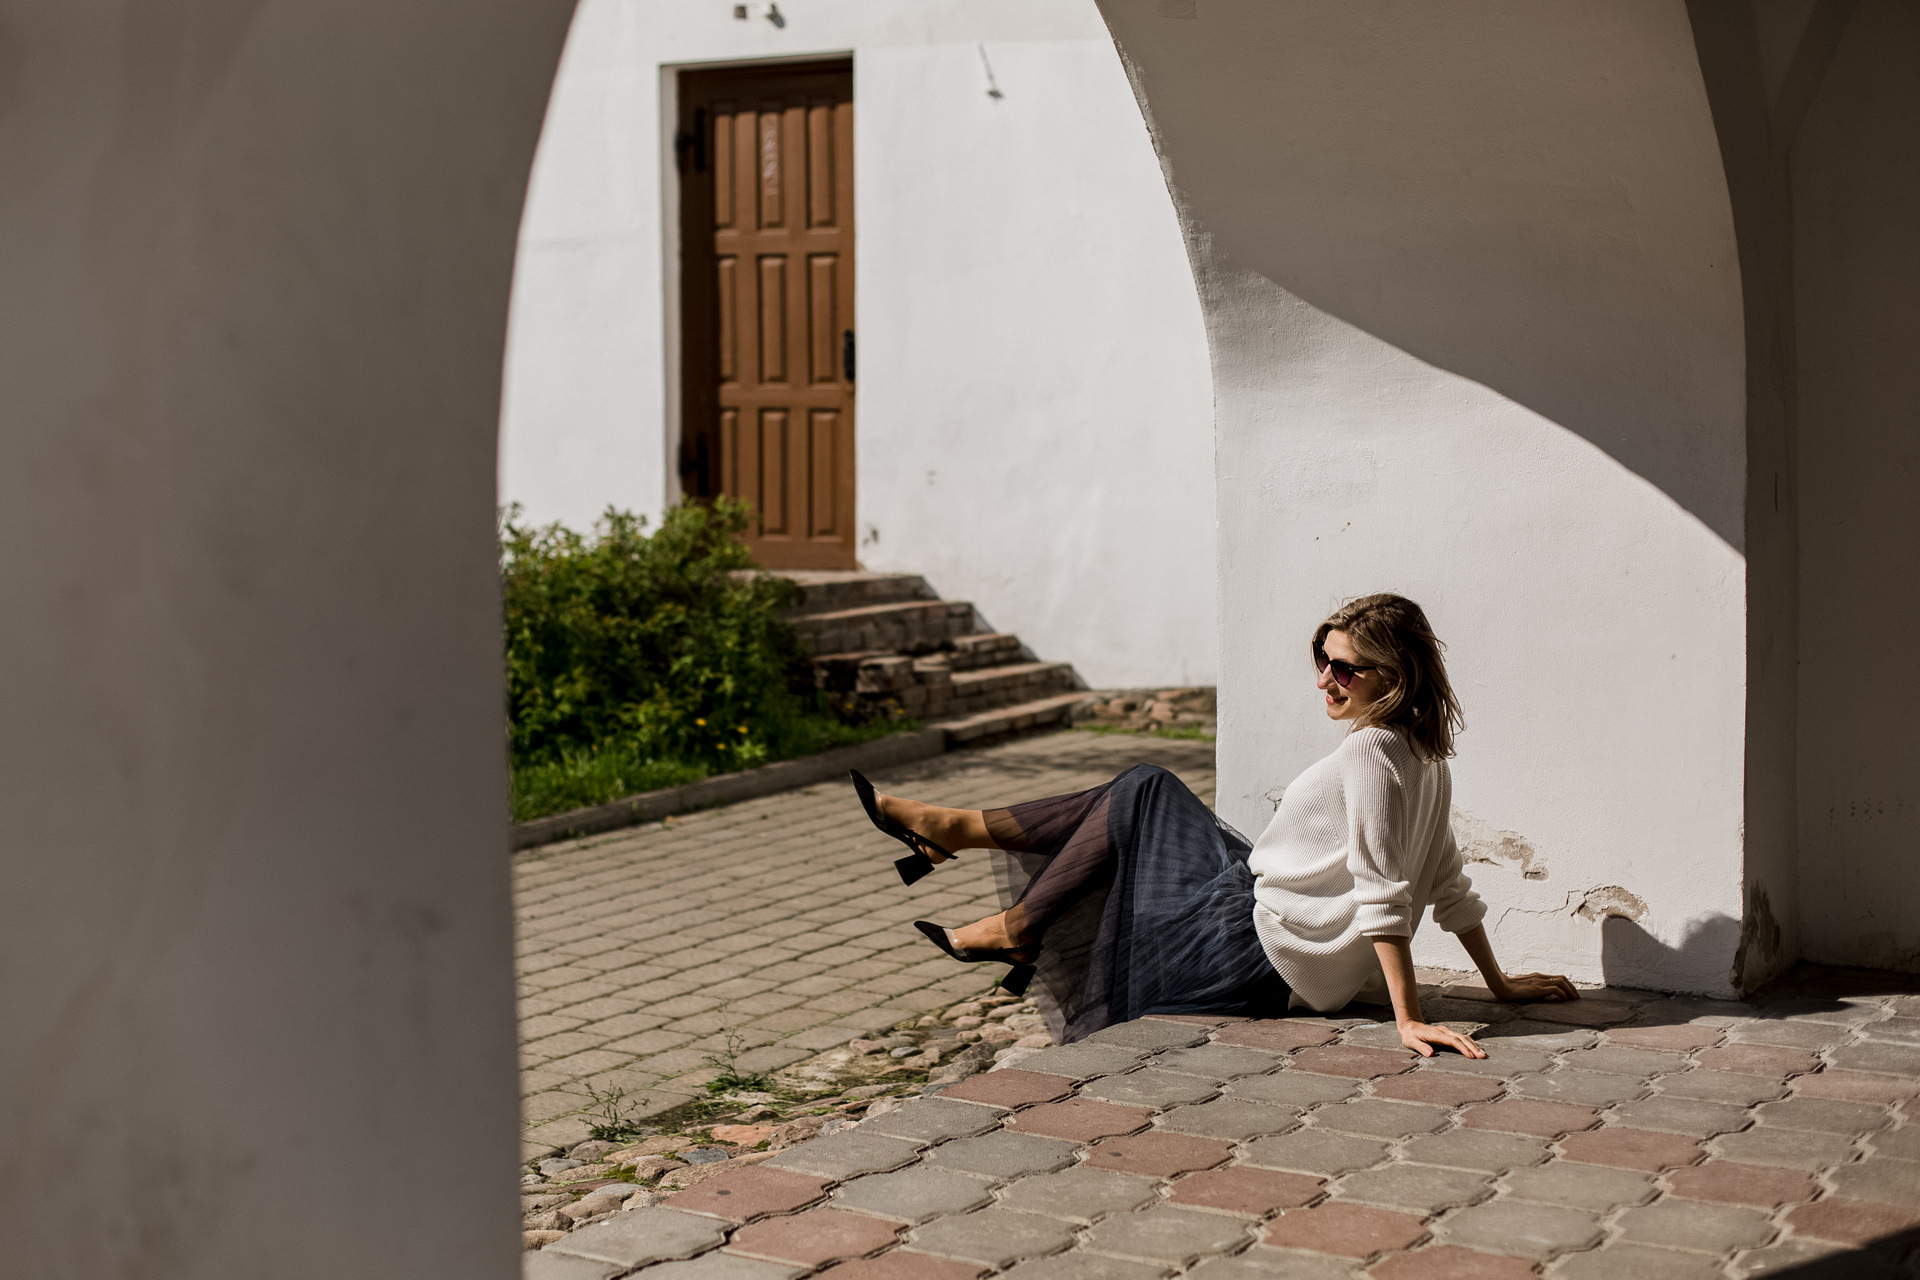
1132, 898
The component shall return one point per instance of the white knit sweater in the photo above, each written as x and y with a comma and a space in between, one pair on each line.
1359, 848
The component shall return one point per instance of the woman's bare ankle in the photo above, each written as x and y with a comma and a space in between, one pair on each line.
931, 821
984, 935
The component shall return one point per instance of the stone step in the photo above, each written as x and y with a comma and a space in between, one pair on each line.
1061, 708
984, 649
831, 590
905, 626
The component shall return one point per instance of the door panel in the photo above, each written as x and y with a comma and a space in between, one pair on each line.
767, 282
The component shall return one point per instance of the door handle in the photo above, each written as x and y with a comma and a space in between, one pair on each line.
846, 353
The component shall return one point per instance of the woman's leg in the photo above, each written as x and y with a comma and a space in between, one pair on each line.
948, 828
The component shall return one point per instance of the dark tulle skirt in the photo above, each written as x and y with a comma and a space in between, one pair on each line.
1142, 901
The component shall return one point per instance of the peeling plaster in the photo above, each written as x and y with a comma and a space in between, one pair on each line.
1611, 900
1480, 841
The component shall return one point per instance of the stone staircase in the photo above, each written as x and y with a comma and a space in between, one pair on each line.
887, 637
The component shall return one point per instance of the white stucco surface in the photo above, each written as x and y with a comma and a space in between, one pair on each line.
1034, 429
254, 924
1476, 336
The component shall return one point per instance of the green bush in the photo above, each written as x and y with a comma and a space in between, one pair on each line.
637, 662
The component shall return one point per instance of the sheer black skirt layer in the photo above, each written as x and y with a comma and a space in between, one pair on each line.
1141, 901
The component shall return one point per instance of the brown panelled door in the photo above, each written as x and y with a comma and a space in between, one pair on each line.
766, 180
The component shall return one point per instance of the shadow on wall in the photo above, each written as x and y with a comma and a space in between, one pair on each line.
1632, 957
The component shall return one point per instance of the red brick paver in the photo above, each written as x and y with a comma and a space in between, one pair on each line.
1681, 1037
1451, 1262
1727, 1182
1584, 1012
1349, 1060
1631, 1149
1346, 1230
1245, 1189
1855, 1086
816, 1236
1850, 1221
1010, 1088
1756, 1060
750, 1193
902, 1264
1079, 1120
1524, 1115
1278, 1035
1158, 1155
1441, 1088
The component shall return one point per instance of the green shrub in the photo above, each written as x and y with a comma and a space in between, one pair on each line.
636, 662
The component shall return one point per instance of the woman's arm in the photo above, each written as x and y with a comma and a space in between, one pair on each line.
1520, 986
1396, 961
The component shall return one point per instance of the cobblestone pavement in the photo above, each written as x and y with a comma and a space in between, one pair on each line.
777, 920
1628, 1136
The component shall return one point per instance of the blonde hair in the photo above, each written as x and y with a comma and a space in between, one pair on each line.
1391, 633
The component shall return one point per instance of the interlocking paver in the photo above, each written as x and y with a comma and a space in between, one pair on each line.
1706, 1228
1580, 1186
1722, 1086
933, 1120
1149, 1033
815, 1237
1010, 1088
1580, 1088
1451, 1262
1315, 1151
1360, 1064
1344, 1230
743, 1194
1263, 1263
1625, 1060
1894, 1182
1523, 1230
846, 1155
1631, 1148
1756, 1060
1002, 1155
1085, 1266
913, 1195
1901, 1144
1822, 1114
1165, 1234
1625, 1261
1439, 1088
1690, 1116
902, 1264
1417, 1188
1150, 1088
1079, 1120
722, 1266
1381, 1118
1502, 1060
1230, 1118
549, 1265
1293, 1088
1155, 1154
1078, 1195
1477, 1149
1246, 1190
635, 1237
1847, 1221
1787, 1148
992, 1236
1082, 1061
1856, 1086
1218, 1061
1791, 1035
1527, 1115
1728, 1182
1680, 1037
1279, 1035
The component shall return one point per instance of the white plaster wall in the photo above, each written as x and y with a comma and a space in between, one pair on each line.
1034, 400
255, 937
1470, 281
1856, 179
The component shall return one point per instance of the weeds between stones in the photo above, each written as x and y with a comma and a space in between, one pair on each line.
727, 1063
612, 1125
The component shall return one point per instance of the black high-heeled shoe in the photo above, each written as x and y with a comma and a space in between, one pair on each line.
1014, 984
916, 864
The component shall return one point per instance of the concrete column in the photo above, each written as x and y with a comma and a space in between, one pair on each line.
254, 925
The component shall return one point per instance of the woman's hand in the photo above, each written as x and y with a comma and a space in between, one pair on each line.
1521, 987
1423, 1038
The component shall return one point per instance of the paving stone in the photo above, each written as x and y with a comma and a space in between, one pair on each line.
1383, 1035
636, 1237
1538, 1036
1357, 1063
1476, 1149
1262, 1263
545, 1264
1727, 1182
1822, 1114
1085, 1266
1722, 1086
1314, 1151
1522, 1230
994, 1236
1681, 1115
1898, 1030
1681, 1037
1418, 1188
1581, 1088
1884, 1057
1855, 1086
1690, 1224
1344, 1230
1278, 1036
1009, 1088
1451, 1262
1503, 1061
913, 1195
1293, 1088
846, 1155
1846, 1221
815, 1237
1078, 1195
1218, 1061
721, 1266
1149, 1088
1580, 1186
1078, 1120
1901, 1144
1894, 1182
1246, 1190
1631, 1149
1634, 1262
1438, 1088
1585, 1012
1794, 1256
1002, 1155
1527, 1115
932, 1120
1081, 1061
1380, 1118
1813, 1036
1154, 1154
739, 1195
1787, 1148
1150, 1034
1230, 1118
902, 1264
1167, 1235
1625, 1060
1757, 1060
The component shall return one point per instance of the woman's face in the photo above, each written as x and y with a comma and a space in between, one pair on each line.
1362, 692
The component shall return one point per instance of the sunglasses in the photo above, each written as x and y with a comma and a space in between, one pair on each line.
1343, 672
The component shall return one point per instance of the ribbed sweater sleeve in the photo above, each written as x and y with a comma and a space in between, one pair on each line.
1456, 906
1377, 856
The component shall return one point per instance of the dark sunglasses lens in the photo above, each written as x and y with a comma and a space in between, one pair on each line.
1319, 658
1342, 673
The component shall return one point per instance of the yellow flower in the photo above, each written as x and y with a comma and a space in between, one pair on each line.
700, 722
743, 728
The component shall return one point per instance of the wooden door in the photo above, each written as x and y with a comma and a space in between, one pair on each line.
766, 180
